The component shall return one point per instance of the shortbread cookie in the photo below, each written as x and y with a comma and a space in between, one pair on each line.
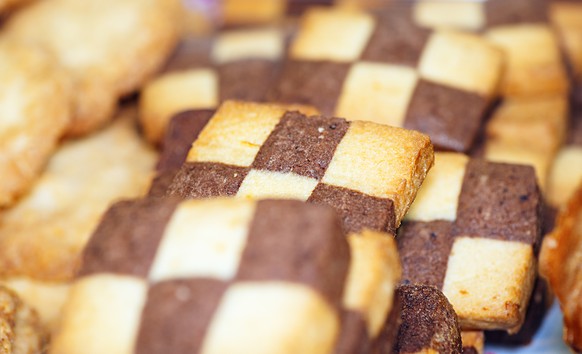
162, 276
20, 329
236, 64
429, 323
369, 172
42, 236
528, 130
474, 231
35, 110
560, 261
566, 16
108, 47
387, 70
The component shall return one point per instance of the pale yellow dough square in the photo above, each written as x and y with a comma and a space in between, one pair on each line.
235, 133
467, 15
381, 161
438, 197
263, 43
565, 175
489, 281
203, 240
102, 315
249, 320
462, 60
533, 62
172, 93
267, 184
372, 278
332, 34
377, 92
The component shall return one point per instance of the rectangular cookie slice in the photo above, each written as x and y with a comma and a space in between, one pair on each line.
476, 239
222, 276
369, 172
385, 69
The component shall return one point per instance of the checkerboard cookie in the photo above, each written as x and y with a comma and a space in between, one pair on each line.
236, 64
222, 276
109, 48
41, 236
20, 330
429, 323
35, 112
522, 29
560, 264
474, 231
387, 70
369, 172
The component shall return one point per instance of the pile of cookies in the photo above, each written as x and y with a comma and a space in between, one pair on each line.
288, 176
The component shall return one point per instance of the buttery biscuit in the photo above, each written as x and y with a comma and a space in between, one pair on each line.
108, 47
35, 111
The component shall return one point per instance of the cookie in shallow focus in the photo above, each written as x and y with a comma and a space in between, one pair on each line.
386, 69
369, 172
35, 99
474, 231
108, 48
41, 236
222, 276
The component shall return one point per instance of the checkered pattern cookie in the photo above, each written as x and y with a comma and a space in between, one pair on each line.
236, 64
473, 232
368, 172
521, 28
223, 276
387, 70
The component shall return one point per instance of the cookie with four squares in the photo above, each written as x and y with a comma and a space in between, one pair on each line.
35, 111
369, 172
222, 275
474, 231
235, 64
109, 48
386, 69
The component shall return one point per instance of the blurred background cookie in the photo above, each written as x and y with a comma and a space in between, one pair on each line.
35, 111
109, 48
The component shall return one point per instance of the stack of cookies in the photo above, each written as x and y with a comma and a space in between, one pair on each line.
332, 176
